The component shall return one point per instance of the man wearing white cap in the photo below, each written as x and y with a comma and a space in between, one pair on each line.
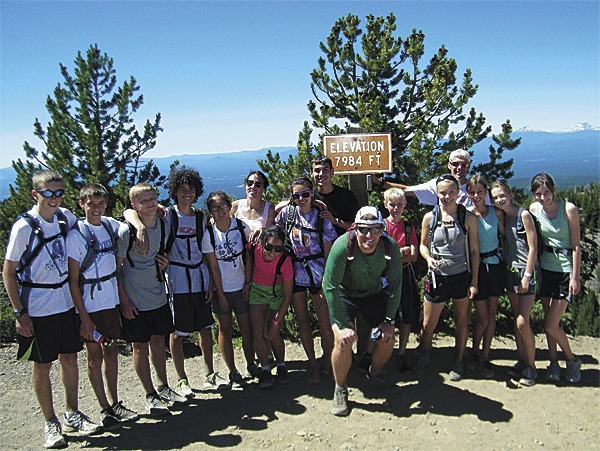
363, 275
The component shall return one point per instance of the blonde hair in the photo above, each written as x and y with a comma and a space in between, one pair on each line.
460, 153
138, 189
396, 193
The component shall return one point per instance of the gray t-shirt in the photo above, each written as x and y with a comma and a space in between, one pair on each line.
141, 280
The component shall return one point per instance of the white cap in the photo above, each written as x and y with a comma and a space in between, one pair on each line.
371, 212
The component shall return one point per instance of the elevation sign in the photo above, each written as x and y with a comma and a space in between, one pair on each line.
364, 153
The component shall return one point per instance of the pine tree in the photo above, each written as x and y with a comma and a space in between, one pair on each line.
90, 137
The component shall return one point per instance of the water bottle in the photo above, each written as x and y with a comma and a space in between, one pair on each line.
100, 339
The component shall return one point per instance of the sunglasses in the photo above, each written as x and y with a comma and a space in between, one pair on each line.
373, 230
303, 194
250, 183
48, 193
219, 207
269, 247
456, 164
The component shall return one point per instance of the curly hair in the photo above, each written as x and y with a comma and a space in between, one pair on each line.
179, 176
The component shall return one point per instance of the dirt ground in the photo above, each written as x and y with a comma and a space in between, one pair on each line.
419, 412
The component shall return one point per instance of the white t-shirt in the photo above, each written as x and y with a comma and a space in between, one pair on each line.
427, 195
49, 267
185, 250
101, 295
228, 244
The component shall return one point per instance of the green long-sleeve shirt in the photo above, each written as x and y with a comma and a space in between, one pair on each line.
361, 278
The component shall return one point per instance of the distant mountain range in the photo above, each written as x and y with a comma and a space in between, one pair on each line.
572, 157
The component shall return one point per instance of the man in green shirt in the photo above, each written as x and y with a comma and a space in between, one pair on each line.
363, 275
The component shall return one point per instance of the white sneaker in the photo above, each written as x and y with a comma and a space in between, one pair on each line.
215, 382
79, 422
184, 389
170, 396
156, 406
53, 437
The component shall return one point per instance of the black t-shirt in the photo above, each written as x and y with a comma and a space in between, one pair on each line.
342, 203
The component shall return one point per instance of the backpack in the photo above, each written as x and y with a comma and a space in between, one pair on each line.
37, 241
288, 244
387, 248
161, 249
461, 216
175, 228
92, 250
239, 227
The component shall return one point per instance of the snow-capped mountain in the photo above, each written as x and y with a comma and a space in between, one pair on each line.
580, 127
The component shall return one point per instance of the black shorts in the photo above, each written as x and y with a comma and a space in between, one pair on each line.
410, 305
447, 287
54, 335
555, 285
151, 322
491, 281
107, 322
235, 302
191, 312
373, 309
311, 290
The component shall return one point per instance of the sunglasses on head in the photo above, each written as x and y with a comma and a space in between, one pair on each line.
269, 247
375, 230
250, 183
219, 207
48, 193
303, 194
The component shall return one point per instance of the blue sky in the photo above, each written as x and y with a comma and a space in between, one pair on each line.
230, 76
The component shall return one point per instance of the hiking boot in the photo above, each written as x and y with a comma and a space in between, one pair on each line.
364, 363
253, 371
236, 379
553, 372
314, 375
265, 380
528, 377
109, 421
457, 372
340, 402
402, 364
283, 376
53, 437
170, 396
79, 422
573, 371
156, 405
485, 369
184, 389
215, 382
517, 369
122, 413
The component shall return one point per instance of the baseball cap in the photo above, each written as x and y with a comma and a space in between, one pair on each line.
370, 212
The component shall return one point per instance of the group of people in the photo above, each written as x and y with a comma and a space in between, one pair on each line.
165, 273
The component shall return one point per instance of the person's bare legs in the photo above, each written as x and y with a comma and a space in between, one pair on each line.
225, 322
555, 332
460, 309
69, 372
490, 330
258, 319
42, 387
141, 363
481, 323
94, 371
159, 359
176, 345
431, 316
206, 344
243, 320
341, 358
322, 311
527, 339
299, 303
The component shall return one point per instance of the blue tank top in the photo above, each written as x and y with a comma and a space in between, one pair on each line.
488, 236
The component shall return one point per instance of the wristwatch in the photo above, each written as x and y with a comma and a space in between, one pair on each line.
19, 313
390, 321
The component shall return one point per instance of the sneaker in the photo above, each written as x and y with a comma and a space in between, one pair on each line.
253, 371
364, 363
472, 361
184, 389
340, 402
156, 405
528, 377
486, 370
402, 364
517, 369
457, 372
53, 437
573, 371
314, 375
236, 379
215, 382
122, 413
553, 372
283, 376
170, 396
109, 421
79, 422
265, 380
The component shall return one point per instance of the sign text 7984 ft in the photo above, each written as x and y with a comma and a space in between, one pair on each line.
359, 153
